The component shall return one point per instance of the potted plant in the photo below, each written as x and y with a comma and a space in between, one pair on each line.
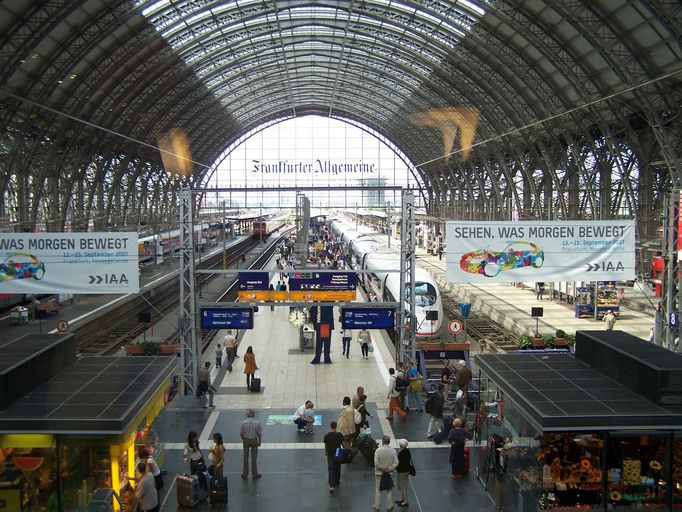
151, 348
526, 341
549, 340
570, 339
560, 340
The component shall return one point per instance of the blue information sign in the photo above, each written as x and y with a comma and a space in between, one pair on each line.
253, 281
368, 318
226, 318
323, 281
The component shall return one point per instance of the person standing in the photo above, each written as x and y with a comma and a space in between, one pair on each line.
437, 402
385, 461
205, 387
218, 356
539, 290
364, 339
403, 471
393, 396
332, 441
230, 344
457, 438
446, 378
346, 421
416, 387
462, 381
144, 456
250, 432
250, 366
193, 453
362, 409
218, 451
402, 378
610, 320
145, 491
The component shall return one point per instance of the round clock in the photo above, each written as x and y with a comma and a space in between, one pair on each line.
297, 318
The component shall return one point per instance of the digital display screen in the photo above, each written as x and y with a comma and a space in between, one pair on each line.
227, 318
368, 318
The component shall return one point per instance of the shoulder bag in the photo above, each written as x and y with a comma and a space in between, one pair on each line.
386, 482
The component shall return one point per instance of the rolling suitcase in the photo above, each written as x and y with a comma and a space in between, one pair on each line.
467, 456
189, 490
255, 385
218, 492
367, 446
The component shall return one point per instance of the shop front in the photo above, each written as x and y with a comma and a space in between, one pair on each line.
81, 431
559, 435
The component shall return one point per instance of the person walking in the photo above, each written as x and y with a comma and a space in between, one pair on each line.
145, 491
457, 439
446, 378
250, 366
230, 344
364, 414
610, 320
463, 379
403, 471
400, 377
205, 387
393, 396
385, 461
218, 452
416, 387
364, 339
356, 397
435, 409
346, 337
250, 432
332, 441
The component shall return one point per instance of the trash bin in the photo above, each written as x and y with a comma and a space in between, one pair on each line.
307, 337
18, 316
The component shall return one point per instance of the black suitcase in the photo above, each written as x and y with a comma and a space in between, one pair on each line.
442, 433
218, 492
255, 385
367, 446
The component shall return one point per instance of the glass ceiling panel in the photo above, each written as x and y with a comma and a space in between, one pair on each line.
232, 39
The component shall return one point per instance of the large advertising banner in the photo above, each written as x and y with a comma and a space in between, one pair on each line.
39, 263
484, 252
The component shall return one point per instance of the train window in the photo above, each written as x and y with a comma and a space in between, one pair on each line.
425, 293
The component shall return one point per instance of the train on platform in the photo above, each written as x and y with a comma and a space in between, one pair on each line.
263, 228
366, 252
168, 243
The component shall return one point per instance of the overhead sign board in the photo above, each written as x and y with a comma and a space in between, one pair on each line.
40, 263
368, 318
323, 286
253, 281
485, 252
227, 318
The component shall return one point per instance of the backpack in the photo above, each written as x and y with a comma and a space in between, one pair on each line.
401, 383
428, 405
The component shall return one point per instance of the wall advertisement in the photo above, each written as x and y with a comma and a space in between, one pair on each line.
485, 252
40, 263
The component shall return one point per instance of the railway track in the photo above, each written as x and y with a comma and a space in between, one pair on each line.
119, 326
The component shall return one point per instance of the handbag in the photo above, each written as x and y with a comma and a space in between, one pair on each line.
413, 471
366, 431
417, 386
339, 454
386, 482
370, 347
358, 416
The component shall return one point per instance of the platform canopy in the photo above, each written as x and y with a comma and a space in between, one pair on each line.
485, 98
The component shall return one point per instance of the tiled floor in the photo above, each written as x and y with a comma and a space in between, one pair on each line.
293, 465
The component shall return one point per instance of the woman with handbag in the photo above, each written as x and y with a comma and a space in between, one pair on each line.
404, 470
218, 452
362, 428
365, 340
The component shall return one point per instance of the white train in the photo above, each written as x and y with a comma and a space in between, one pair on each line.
367, 252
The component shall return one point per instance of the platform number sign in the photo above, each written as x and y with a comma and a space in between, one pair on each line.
674, 321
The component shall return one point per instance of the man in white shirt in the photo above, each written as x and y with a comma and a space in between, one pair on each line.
385, 461
230, 344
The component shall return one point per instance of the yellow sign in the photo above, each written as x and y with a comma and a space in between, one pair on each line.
254, 295
323, 296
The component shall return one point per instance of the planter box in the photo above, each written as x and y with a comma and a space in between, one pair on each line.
170, 349
539, 343
134, 350
438, 347
165, 350
560, 342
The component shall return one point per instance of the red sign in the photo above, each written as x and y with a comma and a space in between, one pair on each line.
62, 326
455, 327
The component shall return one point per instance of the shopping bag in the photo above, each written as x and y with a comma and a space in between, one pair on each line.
386, 482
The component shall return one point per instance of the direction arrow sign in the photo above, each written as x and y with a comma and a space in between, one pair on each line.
253, 281
227, 318
455, 327
327, 281
368, 318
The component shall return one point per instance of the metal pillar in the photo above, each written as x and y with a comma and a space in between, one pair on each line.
388, 222
671, 299
302, 226
189, 348
407, 319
